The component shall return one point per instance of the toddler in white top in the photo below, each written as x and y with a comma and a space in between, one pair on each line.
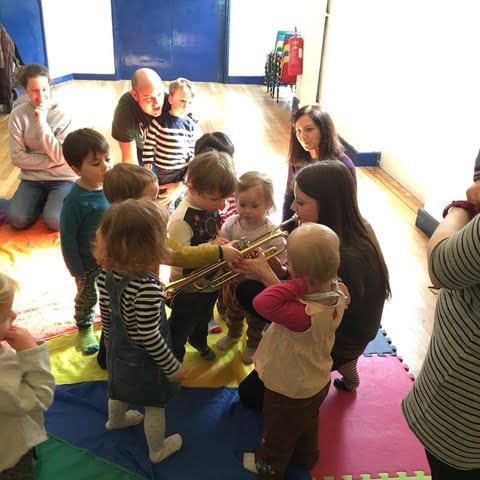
26, 390
254, 198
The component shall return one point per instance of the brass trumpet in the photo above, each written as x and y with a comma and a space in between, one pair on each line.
199, 278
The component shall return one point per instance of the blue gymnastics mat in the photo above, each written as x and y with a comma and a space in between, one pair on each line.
215, 427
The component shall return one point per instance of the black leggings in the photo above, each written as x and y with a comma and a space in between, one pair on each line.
245, 292
251, 388
442, 471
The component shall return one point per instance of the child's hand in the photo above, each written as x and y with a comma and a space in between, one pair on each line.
178, 377
231, 254
148, 166
219, 241
20, 338
169, 192
278, 267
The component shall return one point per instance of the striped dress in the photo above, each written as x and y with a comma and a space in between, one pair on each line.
142, 300
443, 407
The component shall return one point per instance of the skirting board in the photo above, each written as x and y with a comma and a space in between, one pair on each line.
361, 159
425, 222
246, 80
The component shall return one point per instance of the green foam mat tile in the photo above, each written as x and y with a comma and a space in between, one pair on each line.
60, 460
419, 475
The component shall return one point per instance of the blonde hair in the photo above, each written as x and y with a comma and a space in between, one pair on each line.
181, 82
125, 181
131, 237
212, 172
257, 179
8, 287
314, 252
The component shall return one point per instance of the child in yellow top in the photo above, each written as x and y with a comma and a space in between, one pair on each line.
125, 181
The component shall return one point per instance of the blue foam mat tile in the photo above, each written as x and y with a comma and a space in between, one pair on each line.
381, 345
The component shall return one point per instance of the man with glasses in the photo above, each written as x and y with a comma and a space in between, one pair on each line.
134, 112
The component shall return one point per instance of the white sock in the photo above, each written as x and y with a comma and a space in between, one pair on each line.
171, 444
249, 462
225, 342
120, 417
159, 447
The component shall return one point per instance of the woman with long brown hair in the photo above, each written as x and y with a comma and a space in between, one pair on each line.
313, 138
325, 193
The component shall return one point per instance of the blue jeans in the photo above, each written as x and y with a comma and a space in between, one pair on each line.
33, 198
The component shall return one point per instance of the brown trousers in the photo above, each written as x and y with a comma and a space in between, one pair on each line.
234, 315
22, 470
290, 433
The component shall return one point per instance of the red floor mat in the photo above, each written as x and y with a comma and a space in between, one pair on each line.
365, 432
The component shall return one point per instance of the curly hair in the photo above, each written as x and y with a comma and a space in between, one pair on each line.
131, 238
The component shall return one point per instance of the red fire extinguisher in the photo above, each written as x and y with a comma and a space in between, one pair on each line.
295, 54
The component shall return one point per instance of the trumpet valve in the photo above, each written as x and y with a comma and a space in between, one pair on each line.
242, 244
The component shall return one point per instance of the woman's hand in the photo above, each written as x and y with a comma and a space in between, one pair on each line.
256, 268
473, 193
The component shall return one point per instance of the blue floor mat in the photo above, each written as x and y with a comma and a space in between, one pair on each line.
381, 345
216, 431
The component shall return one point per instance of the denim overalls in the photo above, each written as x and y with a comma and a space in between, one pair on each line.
133, 375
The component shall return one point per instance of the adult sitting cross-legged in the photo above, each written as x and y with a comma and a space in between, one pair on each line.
36, 130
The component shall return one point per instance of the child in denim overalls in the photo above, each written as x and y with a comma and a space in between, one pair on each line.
130, 246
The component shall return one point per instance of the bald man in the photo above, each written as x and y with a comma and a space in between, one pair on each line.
134, 112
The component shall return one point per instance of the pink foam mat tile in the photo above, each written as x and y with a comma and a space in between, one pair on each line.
365, 431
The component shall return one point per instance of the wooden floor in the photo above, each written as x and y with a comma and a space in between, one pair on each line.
259, 128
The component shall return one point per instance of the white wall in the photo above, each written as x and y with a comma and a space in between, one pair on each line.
401, 76
253, 29
78, 37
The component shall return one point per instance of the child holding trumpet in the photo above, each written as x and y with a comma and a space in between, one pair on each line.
210, 179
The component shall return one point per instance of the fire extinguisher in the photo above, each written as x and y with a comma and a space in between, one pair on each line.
295, 54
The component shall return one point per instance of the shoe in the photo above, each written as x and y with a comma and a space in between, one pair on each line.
214, 327
248, 355
207, 353
341, 385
